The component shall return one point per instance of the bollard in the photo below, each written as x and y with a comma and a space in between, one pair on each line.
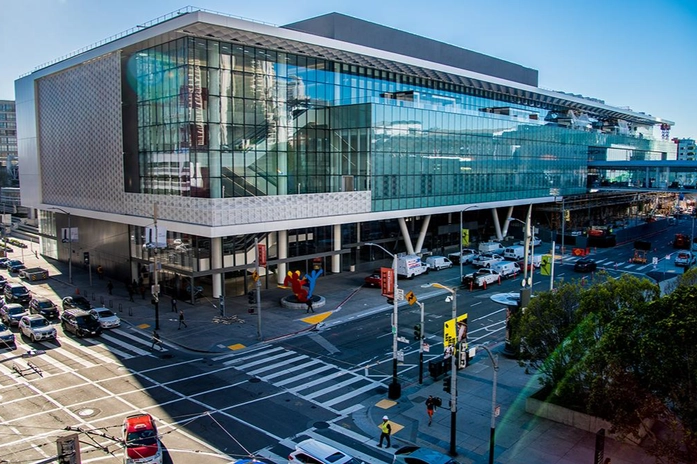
130, 310
120, 308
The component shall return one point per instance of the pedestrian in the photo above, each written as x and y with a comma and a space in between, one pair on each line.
174, 305
109, 286
156, 341
129, 287
181, 320
142, 291
385, 431
430, 408
310, 309
100, 272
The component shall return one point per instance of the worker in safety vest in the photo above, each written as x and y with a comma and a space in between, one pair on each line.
385, 430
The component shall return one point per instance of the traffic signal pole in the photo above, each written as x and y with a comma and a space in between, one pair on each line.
421, 343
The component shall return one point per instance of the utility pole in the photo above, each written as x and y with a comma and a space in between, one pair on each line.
156, 287
257, 284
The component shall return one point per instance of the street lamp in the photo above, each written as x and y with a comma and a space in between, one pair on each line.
460, 234
492, 433
453, 369
395, 389
529, 249
70, 246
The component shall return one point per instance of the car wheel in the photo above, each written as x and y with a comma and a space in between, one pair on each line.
33, 338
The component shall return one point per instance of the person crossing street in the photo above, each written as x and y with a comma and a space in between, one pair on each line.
385, 431
181, 320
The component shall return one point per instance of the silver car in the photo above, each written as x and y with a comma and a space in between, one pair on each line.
37, 327
107, 319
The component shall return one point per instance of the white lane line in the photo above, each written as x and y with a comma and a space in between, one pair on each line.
303, 375
89, 352
332, 388
238, 353
264, 355
283, 372
126, 345
371, 385
283, 362
113, 350
143, 341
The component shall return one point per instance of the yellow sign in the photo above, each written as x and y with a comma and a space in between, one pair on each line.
465, 237
546, 265
450, 333
255, 276
411, 298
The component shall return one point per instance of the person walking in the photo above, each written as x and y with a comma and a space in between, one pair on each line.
385, 431
129, 287
109, 286
156, 340
430, 408
181, 320
174, 305
310, 309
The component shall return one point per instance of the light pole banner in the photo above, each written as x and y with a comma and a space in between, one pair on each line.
387, 281
69, 235
450, 332
465, 237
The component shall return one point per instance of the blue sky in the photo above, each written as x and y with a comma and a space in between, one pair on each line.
639, 54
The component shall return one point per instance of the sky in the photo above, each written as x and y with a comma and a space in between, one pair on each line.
639, 54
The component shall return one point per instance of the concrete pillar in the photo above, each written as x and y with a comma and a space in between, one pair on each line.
217, 263
336, 259
282, 253
405, 235
422, 234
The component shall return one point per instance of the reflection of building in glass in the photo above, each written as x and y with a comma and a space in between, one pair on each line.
306, 141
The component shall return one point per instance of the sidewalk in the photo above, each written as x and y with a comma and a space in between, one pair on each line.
521, 438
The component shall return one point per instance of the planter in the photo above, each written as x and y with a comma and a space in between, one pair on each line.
581, 420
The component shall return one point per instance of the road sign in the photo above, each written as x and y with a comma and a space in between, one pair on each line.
400, 294
400, 356
411, 298
655, 260
255, 276
426, 347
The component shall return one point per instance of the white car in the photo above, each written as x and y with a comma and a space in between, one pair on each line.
535, 242
487, 259
37, 327
107, 319
468, 254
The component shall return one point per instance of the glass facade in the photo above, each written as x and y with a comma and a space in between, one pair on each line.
219, 120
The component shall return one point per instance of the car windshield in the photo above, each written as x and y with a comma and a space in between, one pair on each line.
45, 304
16, 310
105, 313
38, 322
83, 320
19, 291
141, 438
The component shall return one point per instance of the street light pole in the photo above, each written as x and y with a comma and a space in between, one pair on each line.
421, 343
460, 238
70, 245
395, 389
492, 432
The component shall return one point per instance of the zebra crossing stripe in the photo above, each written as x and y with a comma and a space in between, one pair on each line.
255, 358
276, 365
333, 387
93, 353
303, 375
128, 346
298, 367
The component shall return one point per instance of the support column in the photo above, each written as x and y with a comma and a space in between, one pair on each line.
422, 233
405, 235
507, 222
497, 224
336, 259
217, 263
282, 245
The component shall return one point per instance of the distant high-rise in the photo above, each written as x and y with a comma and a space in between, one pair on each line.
8, 138
686, 149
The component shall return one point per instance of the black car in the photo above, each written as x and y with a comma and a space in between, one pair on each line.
43, 306
3, 282
15, 265
17, 293
81, 323
585, 265
76, 302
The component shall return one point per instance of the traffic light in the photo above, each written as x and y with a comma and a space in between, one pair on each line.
462, 357
446, 384
252, 296
86, 258
417, 332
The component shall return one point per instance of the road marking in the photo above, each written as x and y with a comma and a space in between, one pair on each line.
126, 345
303, 374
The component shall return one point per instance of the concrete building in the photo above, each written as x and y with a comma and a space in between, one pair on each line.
8, 139
312, 139
686, 149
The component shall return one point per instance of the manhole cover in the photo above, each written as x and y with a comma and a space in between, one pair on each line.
87, 412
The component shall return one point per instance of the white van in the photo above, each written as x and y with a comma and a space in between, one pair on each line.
314, 451
491, 247
506, 268
514, 253
410, 265
437, 263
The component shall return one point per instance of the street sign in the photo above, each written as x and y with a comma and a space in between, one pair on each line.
400, 356
255, 276
426, 347
400, 294
411, 298
497, 411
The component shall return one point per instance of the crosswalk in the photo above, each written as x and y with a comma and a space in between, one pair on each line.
68, 354
611, 264
334, 388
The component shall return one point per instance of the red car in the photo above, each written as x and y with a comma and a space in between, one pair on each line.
141, 440
373, 280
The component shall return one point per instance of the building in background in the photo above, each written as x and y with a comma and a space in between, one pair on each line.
311, 139
8, 141
686, 149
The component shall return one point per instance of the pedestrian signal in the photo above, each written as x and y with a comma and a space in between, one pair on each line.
446, 384
252, 296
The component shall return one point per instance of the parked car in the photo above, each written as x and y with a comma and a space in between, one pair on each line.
43, 306
37, 327
76, 302
487, 259
468, 254
534, 240
481, 278
316, 452
437, 263
141, 440
7, 338
15, 265
374, 280
585, 265
420, 455
81, 323
17, 293
3, 282
11, 313
3, 262
106, 317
